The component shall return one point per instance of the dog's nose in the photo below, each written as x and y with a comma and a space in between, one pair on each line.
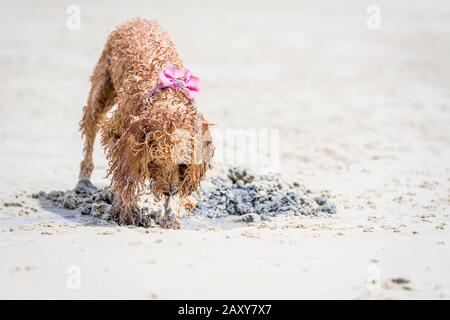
172, 191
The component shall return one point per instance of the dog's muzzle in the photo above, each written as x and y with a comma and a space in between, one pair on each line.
171, 192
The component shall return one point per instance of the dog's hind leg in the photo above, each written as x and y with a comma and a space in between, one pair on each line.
100, 100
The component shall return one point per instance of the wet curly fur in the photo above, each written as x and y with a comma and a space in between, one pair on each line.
161, 142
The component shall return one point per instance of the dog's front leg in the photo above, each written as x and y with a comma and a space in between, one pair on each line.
172, 212
126, 213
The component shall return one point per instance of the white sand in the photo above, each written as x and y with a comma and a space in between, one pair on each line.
364, 114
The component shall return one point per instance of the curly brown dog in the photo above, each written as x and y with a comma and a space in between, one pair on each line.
155, 138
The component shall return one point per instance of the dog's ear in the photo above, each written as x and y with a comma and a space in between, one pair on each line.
207, 146
200, 161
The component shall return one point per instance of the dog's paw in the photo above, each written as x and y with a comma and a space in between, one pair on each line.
126, 215
169, 221
170, 224
85, 186
129, 217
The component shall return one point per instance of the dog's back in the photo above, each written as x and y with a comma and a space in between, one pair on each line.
127, 68
139, 48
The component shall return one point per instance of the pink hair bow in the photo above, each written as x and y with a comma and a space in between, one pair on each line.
171, 77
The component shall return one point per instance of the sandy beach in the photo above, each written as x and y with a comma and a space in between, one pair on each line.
362, 115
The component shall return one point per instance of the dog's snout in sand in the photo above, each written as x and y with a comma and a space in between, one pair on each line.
171, 191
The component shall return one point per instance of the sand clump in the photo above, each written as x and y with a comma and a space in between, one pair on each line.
239, 193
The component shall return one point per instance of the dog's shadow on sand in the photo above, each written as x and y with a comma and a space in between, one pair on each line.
70, 205
72, 214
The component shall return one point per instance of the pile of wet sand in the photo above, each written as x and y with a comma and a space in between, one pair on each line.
240, 193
